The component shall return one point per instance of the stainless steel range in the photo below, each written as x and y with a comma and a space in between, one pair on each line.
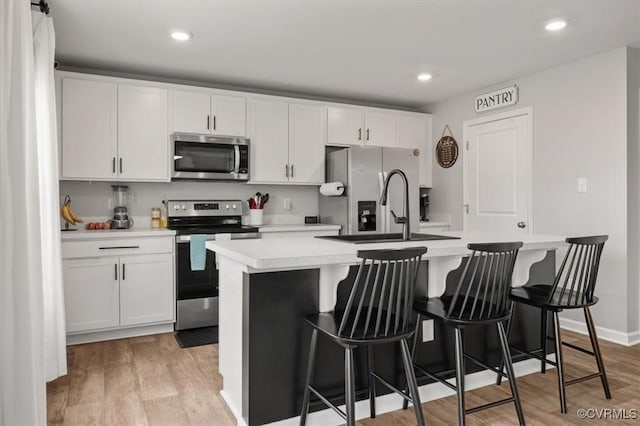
197, 291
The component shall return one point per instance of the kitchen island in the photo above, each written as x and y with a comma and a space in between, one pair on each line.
267, 288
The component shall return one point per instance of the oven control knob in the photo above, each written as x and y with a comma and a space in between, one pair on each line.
184, 207
176, 207
227, 206
233, 206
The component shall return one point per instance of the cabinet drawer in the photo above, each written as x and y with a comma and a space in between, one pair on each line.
117, 247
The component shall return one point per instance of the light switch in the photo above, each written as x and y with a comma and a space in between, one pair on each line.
427, 330
582, 184
287, 203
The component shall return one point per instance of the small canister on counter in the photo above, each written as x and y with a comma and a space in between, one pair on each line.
155, 217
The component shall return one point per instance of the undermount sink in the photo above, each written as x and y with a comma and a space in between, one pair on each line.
385, 238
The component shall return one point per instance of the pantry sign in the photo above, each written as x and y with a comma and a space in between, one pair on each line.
497, 99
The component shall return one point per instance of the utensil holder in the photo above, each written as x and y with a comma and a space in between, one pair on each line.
256, 217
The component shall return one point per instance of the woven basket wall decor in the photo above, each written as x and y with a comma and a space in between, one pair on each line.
447, 149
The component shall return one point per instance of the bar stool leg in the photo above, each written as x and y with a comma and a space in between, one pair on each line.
460, 376
509, 325
559, 362
349, 385
412, 384
543, 339
596, 350
372, 381
512, 377
311, 365
414, 350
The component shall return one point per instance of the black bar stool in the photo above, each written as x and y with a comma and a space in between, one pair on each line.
378, 311
480, 298
572, 288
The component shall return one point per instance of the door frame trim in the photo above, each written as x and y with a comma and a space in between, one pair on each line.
467, 124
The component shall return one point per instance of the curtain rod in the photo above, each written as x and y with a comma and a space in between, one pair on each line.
42, 4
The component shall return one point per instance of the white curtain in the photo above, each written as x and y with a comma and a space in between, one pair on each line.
55, 352
22, 265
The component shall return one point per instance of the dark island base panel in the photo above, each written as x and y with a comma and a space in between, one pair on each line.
277, 338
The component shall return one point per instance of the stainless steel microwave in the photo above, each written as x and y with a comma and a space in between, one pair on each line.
204, 157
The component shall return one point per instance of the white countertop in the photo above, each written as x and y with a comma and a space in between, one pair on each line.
432, 224
291, 253
86, 234
298, 227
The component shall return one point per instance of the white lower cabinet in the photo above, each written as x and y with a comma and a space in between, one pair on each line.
91, 293
146, 289
120, 290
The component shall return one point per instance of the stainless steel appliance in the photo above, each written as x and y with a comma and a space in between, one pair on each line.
364, 170
203, 157
120, 207
197, 291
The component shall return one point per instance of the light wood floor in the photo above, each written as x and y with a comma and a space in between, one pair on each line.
151, 381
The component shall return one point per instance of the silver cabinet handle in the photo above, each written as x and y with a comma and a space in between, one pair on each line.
123, 271
214, 122
522, 225
208, 120
120, 164
367, 134
113, 165
292, 170
115, 268
286, 170
360, 134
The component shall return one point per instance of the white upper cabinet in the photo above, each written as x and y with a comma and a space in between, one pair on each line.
380, 128
113, 131
202, 112
352, 125
269, 135
143, 134
414, 131
307, 127
191, 112
229, 115
344, 126
89, 129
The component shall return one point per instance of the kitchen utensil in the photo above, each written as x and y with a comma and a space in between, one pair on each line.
265, 198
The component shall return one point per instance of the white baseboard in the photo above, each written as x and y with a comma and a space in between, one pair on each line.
429, 392
118, 333
234, 410
615, 336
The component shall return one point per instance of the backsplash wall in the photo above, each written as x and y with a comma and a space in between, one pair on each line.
90, 199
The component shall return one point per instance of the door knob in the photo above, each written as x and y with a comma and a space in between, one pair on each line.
522, 225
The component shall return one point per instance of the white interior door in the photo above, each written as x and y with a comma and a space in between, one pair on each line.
497, 181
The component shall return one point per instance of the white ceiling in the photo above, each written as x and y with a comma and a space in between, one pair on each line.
364, 50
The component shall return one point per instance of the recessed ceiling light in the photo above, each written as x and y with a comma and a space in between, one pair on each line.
424, 77
181, 35
555, 25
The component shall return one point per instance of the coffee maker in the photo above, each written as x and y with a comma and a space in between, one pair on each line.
424, 204
120, 203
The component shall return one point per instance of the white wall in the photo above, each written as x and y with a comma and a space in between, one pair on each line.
89, 199
633, 178
579, 130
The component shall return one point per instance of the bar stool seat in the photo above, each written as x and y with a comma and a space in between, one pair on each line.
540, 296
439, 308
378, 311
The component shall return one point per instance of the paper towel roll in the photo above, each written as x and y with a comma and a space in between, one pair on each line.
332, 189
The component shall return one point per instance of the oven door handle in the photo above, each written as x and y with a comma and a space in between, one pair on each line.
181, 239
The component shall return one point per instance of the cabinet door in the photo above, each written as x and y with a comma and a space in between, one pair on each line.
89, 129
269, 134
143, 136
91, 293
229, 115
380, 128
146, 289
191, 112
307, 130
414, 132
344, 126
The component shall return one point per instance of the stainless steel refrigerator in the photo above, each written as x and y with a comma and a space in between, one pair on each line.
363, 170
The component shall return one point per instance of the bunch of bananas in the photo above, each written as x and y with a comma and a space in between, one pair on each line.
67, 212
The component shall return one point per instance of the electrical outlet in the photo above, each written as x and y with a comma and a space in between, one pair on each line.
287, 203
582, 184
427, 331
